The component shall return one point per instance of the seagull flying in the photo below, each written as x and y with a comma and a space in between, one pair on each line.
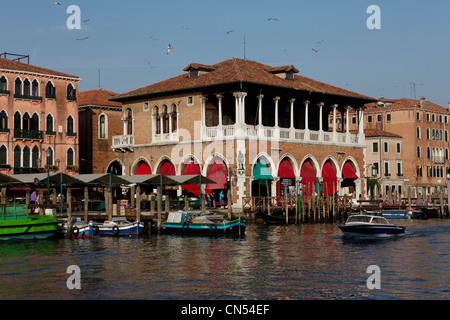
86, 20
316, 51
57, 3
319, 41
83, 38
228, 32
153, 38
169, 48
272, 19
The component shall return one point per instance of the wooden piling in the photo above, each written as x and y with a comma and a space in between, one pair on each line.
229, 200
86, 204
286, 212
159, 200
138, 203
69, 212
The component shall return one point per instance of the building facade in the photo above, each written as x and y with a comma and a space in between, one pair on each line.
424, 127
38, 119
250, 127
99, 121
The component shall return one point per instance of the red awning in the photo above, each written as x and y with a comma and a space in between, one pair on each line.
284, 171
167, 169
308, 178
329, 179
191, 168
218, 174
143, 169
348, 172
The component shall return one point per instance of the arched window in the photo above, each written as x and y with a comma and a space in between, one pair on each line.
70, 125
428, 153
49, 124
3, 155
3, 121
418, 132
17, 152
35, 88
428, 133
418, 151
17, 121
26, 157
165, 119
34, 125
26, 121
18, 87
34, 157
157, 120
102, 127
49, 156
3, 84
71, 93
173, 117
26, 87
50, 90
70, 156
129, 121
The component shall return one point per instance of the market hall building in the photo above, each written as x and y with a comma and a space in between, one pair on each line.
250, 127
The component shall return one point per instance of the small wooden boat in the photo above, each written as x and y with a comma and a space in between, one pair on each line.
201, 224
370, 225
118, 226
16, 223
80, 229
275, 219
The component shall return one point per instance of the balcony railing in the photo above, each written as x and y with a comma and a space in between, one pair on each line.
28, 134
327, 137
125, 141
27, 97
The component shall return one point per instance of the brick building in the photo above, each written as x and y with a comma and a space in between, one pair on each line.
424, 127
99, 121
249, 126
38, 119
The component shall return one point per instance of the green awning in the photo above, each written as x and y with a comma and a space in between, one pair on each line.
261, 171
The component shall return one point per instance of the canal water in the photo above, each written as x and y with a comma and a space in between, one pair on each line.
310, 261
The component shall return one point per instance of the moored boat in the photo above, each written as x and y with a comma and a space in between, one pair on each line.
16, 223
275, 219
197, 223
80, 229
118, 226
370, 225
401, 214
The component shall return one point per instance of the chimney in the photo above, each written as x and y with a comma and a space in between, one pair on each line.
422, 102
449, 107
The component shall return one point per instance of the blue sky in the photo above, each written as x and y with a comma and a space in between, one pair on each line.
412, 45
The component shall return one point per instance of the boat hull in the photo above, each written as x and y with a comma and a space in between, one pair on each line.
275, 220
373, 230
132, 229
78, 232
235, 227
31, 227
401, 214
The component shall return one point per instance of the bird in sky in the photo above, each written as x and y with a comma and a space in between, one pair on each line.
228, 32
319, 41
169, 48
153, 38
272, 19
57, 3
81, 39
316, 51
86, 20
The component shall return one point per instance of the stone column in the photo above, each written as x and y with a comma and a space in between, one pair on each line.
306, 103
276, 99
321, 104
260, 97
220, 97
334, 122
361, 138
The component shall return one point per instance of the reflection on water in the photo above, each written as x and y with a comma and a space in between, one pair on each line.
312, 261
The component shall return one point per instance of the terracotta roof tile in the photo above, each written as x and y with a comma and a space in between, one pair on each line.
380, 133
99, 97
6, 64
235, 70
395, 104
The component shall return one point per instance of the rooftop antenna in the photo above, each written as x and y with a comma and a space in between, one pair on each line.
244, 48
99, 79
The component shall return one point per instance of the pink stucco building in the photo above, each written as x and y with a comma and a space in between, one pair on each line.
38, 119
